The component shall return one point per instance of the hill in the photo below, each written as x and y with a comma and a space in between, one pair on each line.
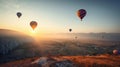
9, 41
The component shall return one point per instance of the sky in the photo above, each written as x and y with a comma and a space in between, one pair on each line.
58, 16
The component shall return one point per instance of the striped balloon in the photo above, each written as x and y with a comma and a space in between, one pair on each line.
81, 13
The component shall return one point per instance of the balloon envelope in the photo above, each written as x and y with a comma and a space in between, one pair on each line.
76, 37
33, 24
119, 51
115, 52
81, 13
70, 30
19, 14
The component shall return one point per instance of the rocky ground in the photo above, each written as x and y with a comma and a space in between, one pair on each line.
67, 61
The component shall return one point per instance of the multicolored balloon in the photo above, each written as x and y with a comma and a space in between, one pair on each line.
19, 14
81, 13
33, 24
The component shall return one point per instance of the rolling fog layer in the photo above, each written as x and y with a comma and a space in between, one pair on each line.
89, 36
79, 43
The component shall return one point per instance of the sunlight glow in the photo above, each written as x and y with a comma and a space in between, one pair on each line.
33, 33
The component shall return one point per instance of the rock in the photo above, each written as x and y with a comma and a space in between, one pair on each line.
63, 63
44, 61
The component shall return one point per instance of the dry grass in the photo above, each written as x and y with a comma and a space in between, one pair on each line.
80, 61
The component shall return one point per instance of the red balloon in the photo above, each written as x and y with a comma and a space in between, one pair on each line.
81, 13
33, 24
115, 52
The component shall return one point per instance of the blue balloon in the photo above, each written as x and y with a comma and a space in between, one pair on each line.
118, 51
19, 14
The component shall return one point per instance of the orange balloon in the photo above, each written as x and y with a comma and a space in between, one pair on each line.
33, 24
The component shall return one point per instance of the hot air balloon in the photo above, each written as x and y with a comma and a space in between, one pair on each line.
81, 13
19, 14
70, 30
119, 51
115, 52
33, 24
75, 37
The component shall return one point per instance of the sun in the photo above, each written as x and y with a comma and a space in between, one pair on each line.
33, 33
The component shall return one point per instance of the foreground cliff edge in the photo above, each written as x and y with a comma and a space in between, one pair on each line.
67, 61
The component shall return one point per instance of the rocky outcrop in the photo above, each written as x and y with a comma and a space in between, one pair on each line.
52, 62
